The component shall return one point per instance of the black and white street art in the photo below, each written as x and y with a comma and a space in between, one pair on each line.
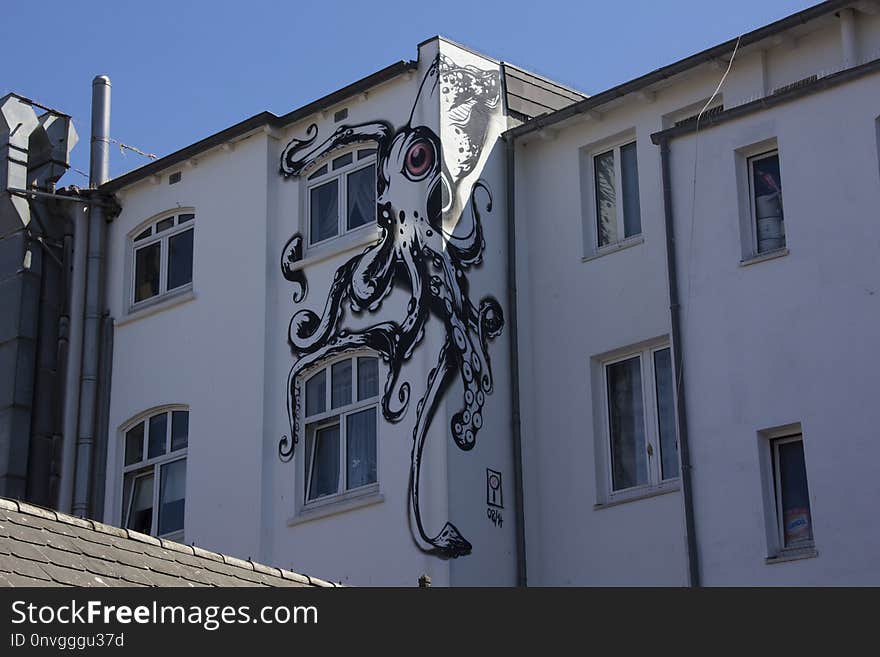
427, 243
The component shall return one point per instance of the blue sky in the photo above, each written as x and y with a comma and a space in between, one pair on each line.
184, 70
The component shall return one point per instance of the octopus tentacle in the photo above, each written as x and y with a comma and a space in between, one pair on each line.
372, 276
467, 249
472, 359
300, 153
380, 338
448, 542
290, 256
307, 331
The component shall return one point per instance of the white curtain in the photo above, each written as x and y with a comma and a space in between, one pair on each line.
360, 435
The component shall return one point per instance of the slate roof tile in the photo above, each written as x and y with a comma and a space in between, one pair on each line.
41, 547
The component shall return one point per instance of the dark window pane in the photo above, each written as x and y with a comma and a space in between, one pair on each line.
182, 219
180, 259
324, 475
368, 377
629, 462
360, 446
316, 393
666, 414
158, 435
629, 173
139, 503
361, 197
795, 497
146, 272
165, 224
606, 198
144, 233
365, 153
340, 384
342, 160
320, 172
324, 209
767, 188
134, 444
172, 496
179, 430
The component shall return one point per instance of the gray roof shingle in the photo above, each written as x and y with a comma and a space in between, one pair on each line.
41, 547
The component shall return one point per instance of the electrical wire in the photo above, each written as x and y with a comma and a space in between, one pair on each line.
690, 266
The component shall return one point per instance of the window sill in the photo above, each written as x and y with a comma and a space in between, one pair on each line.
340, 504
762, 257
157, 305
793, 554
356, 239
635, 240
638, 494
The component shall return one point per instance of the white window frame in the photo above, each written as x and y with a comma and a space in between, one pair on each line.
656, 484
769, 441
750, 170
622, 241
341, 176
150, 466
162, 238
744, 157
331, 417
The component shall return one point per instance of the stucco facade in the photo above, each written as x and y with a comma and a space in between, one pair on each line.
506, 271
782, 342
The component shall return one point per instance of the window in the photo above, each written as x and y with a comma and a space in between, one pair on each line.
341, 402
154, 473
342, 195
616, 184
163, 258
765, 199
792, 497
641, 441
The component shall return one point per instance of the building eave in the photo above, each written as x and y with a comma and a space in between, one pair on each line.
682, 66
263, 119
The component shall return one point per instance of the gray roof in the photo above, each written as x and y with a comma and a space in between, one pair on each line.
530, 95
41, 547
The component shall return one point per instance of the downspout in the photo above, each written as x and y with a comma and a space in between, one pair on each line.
521, 569
74, 358
674, 311
99, 465
99, 173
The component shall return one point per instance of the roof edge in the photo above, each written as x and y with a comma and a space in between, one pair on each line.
681, 66
766, 102
257, 121
94, 525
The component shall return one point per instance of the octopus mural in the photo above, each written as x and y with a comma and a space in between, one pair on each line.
427, 243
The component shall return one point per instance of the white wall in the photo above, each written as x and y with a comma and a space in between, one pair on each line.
571, 311
199, 353
759, 351
786, 340
223, 351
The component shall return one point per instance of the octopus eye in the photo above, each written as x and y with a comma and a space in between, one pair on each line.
419, 159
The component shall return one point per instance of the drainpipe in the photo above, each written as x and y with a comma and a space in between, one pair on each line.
677, 351
74, 358
521, 570
99, 173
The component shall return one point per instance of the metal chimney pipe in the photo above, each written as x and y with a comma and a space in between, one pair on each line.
99, 173
99, 164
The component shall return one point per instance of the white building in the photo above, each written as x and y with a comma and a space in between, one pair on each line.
327, 356
317, 362
777, 317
